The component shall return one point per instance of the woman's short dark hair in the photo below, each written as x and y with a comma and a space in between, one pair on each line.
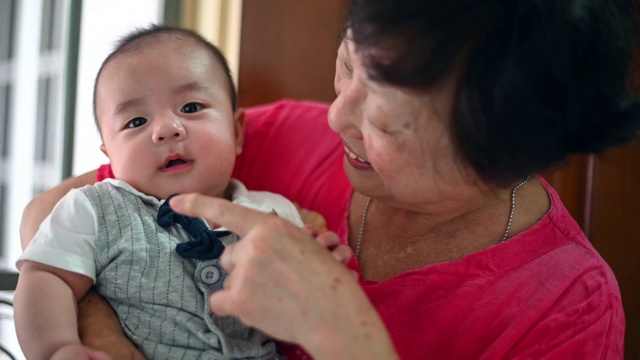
537, 79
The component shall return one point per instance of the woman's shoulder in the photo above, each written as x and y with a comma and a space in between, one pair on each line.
541, 290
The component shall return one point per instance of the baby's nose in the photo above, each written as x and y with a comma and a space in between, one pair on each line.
169, 130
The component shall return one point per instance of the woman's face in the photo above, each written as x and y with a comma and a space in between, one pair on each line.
397, 143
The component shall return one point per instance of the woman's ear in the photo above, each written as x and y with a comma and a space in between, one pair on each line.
239, 122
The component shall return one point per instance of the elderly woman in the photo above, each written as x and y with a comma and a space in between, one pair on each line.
445, 112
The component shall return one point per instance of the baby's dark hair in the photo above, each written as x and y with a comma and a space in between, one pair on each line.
537, 80
136, 38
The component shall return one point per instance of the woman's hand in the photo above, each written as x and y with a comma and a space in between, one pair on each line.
284, 282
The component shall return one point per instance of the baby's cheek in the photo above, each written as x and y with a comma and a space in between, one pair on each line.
130, 167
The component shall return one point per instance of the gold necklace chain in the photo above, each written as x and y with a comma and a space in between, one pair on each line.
504, 237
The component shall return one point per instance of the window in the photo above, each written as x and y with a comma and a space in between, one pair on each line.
38, 51
7, 30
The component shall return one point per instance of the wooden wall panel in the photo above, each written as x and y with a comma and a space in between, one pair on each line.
288, 49
605, 200
616, 229
569, 180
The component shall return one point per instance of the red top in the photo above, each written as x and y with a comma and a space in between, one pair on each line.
545, 293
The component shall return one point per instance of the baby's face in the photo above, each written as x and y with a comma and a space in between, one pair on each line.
166, 119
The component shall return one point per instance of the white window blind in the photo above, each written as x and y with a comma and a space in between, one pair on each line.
34, 62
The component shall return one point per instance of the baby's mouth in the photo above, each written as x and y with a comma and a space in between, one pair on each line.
175, 161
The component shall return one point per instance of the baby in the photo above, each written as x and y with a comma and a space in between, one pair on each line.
165, 104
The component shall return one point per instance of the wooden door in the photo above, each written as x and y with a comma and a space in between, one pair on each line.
602, 192
615, 229
288, 49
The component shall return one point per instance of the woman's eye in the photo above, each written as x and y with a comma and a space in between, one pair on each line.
191, 108
347, 67
383, 128
137, 122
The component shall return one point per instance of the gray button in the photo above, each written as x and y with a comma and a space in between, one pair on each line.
210, 275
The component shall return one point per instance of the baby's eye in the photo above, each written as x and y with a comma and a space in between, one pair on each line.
191, 108
137, 122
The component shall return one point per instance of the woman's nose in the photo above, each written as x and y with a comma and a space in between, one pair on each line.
345, 111
169, 130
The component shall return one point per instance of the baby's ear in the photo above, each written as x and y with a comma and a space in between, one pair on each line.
104, 150
239, 122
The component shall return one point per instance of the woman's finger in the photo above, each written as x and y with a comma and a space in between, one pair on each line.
226, 259
238, 219
221, 303
328, 240
310, 229
342, 253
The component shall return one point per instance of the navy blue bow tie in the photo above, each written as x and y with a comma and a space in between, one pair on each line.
205, 244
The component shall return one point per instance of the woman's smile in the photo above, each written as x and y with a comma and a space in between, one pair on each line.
356, 161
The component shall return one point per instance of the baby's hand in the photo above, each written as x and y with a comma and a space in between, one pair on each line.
313, 218
315, 225
331, 241
79, 352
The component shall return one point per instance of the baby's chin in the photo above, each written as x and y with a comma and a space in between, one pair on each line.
163, 189
176, 191
160, 194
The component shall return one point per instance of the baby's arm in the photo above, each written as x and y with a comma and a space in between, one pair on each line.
99, 326
45, 306
40, 207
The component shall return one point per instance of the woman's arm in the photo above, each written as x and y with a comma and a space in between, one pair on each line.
98, 325
100, 329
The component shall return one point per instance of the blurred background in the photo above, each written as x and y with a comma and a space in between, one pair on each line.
50, 52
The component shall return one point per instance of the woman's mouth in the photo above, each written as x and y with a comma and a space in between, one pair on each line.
356, 161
